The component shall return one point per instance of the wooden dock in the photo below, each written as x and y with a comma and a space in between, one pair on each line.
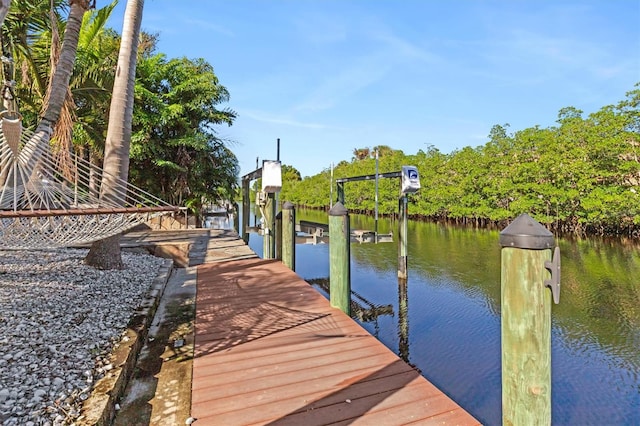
269, 350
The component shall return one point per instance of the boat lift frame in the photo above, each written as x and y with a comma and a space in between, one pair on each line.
402, 213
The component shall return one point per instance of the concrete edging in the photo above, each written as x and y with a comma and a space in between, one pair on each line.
99, 408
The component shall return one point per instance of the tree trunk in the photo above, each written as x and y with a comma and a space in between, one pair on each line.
4, 9
62, 74
105, 254
59, 80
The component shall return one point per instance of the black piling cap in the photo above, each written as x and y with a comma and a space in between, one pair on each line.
338, 210
526, 233
288, 206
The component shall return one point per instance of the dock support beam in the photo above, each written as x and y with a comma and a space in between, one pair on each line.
340, 190
236, 219
526, 323
339, 258
279, 235
402, 237
289, 235
269, 240
246, 211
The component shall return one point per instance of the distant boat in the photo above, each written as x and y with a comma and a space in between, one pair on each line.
218, 211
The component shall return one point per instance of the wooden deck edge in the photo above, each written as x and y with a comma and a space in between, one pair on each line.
100, 408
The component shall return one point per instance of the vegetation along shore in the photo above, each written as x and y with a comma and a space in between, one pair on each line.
581, 176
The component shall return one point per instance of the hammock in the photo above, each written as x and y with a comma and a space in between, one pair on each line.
44, 206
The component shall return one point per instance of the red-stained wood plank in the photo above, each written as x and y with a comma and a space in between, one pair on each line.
270, 350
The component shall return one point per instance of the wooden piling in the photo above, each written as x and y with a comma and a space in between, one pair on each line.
246, 211
340, 190
289, 235
525, 323
236, 218
339, 258
268, 241
279, 235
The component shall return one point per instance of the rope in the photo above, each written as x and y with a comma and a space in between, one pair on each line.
41, 208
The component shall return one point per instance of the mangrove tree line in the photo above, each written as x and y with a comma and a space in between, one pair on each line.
581, 175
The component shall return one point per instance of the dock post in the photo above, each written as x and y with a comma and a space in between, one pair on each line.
268, 239
339, 258
246, 211
402, 237
289, 235
236, 218
526, 323
340, 190
279, 235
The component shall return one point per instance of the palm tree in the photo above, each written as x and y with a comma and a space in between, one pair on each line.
59, 85
27, 37
58, 88
361, 153
105, 254
92, 83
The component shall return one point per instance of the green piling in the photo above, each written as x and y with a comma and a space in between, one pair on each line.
279, 235
236, 218
339, 258
340, 190
525, 323
289, 235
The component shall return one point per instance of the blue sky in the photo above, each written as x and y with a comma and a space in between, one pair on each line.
328, 76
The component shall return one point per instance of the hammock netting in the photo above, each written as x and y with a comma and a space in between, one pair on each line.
44, 205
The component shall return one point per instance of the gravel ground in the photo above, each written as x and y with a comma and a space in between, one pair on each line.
59, 321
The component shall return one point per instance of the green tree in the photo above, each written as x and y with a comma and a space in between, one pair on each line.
361, 153
176, 152
290, 179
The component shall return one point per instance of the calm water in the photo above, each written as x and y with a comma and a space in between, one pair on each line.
446, 321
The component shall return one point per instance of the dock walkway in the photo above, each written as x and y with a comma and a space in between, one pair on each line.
269, 350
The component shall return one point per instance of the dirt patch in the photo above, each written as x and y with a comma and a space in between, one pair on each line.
159, 392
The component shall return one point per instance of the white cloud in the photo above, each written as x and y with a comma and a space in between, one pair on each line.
382, 52
269, 118
353, 77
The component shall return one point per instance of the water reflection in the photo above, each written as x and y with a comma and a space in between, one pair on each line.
368, 312
448, 322
362, 309
403, 320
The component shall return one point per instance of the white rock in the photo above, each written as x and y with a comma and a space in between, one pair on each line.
44, 352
